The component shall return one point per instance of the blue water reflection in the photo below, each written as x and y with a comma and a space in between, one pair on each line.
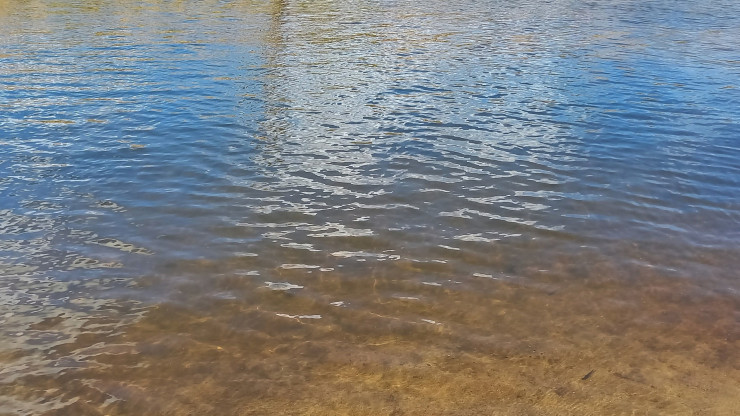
149, 149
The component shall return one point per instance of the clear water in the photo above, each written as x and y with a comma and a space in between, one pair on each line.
383, 207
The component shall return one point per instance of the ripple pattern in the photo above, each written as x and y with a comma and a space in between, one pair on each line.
353, 170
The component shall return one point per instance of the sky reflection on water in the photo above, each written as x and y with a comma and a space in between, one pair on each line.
408, 208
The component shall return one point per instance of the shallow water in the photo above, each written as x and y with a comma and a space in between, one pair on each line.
387, 207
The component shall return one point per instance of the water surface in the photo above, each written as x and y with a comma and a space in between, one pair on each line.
384, 207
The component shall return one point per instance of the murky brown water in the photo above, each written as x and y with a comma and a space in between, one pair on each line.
389, 207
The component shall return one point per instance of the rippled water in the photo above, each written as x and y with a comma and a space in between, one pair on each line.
369, 207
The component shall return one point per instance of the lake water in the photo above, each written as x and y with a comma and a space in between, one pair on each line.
369, 207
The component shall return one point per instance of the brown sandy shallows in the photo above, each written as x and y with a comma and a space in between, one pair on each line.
599, 346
